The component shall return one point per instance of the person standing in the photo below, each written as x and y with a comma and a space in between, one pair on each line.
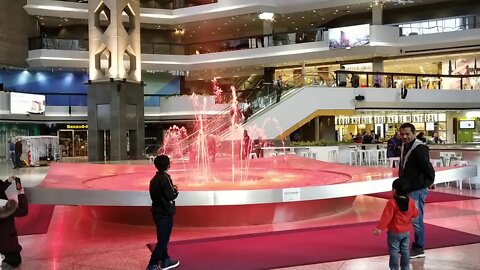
394, 145
342, 77
416, 168
18, 153
163, 194
11, 147
397, 218
279, 87
9, 245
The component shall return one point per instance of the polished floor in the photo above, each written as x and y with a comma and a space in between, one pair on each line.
75, 241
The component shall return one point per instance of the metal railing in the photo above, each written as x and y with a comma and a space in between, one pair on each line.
439, 26
412, 80
243, 43
162, 4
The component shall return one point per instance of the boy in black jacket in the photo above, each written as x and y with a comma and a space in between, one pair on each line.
163, 193
416, 168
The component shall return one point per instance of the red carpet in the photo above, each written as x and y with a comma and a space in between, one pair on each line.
433, 196
298, 247
37, 220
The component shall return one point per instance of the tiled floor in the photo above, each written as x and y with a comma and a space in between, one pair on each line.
75, 241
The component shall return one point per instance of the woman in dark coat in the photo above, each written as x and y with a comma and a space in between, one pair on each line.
9, 245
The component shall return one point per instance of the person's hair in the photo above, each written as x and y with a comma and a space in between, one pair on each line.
342, 67
400, 185
408, 125
161, 162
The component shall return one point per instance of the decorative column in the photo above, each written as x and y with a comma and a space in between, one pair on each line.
115, 92
377, 13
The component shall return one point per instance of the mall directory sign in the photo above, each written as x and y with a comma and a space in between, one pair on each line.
350, 36
21, 103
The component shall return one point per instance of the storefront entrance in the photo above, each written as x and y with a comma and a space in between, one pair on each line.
73, 143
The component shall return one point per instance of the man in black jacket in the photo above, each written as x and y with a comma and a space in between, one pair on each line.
415, 166
163, 193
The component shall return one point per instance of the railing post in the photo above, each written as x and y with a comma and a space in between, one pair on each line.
461, 83
416, 82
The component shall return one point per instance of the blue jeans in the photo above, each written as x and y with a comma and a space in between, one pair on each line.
164, 226
419, 197
399, 243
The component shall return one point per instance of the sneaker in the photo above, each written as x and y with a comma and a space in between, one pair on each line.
417, 253
153, 267
169, 264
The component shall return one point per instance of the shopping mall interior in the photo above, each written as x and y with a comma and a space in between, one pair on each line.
278, 117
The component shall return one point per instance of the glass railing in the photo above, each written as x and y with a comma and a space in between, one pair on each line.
439, 26
251, 42
410, 80
163, 4
268, 95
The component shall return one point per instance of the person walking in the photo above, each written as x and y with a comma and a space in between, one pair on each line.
416, 168
18, 153
163, 194
279, 87
397, 219
11, 147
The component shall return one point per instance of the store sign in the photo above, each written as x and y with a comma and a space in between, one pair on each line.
77, 126
21, 103
347, 37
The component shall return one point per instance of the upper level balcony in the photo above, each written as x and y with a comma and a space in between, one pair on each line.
269, 50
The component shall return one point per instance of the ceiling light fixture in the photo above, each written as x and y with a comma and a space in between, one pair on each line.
268, 16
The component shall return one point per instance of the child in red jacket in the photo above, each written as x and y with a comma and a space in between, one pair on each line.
397, 219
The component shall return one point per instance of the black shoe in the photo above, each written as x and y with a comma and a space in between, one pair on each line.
169, 264
153, 267
417, 253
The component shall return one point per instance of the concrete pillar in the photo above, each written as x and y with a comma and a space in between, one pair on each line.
268, 30
115, 109
116, 128
317, 128
377, 13
114, 51
377, 64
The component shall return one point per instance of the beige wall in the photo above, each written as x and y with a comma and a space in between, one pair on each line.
15, 28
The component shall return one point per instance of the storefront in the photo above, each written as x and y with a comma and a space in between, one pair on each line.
385, 124
73, 139
9, 131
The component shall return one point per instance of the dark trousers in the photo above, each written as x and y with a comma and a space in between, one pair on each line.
279, 93
164, 226
13, 258
13, 158
18, 161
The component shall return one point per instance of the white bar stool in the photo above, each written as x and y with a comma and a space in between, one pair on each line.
333, 155
353, 159
393, 162
461, 163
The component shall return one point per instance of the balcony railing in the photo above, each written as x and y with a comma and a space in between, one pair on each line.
470, 81
162, 4
251, 42
439, 26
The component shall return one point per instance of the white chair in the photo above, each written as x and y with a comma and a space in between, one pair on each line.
382, 155
436, 162
333, 155
253, 155
270, 154
447, 157
393, 162
353, 159
461, 163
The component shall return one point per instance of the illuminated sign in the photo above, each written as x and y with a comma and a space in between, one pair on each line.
77, 126
21, 103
